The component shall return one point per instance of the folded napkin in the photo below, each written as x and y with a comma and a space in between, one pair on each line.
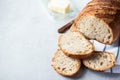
114, 48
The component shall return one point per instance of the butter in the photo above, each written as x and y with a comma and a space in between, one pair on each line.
59, 6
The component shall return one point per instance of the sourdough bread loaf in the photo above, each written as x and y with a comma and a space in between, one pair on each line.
74, 44
65, 65
99, 20
100, 61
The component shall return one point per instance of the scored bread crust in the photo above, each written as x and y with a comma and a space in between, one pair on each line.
100, 12
115, 3
104, 4
76, 55
105, 68
62, 73
104, 7
110, 17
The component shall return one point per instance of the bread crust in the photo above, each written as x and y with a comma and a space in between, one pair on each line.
76, 55
62, 73
105, 4
108, 15
93, 6
105, 68
112, 2
109, 1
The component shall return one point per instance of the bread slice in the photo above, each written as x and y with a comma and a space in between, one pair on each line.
74, 44
100, 61
65, 65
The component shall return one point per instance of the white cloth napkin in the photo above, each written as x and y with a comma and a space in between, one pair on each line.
114, 48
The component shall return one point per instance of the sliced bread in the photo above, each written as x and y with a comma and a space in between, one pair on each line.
99, 22
100, 61
74, 44
65, 65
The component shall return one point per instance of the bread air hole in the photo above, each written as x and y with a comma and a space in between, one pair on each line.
63, 69
58, 68
101, 63
110, 61
105, 56
89, 62
70, 69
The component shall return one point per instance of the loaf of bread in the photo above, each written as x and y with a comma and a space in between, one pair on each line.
74, 44
100, 61
99, 20
65, 65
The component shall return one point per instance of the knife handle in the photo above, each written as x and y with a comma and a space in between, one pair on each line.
65, 27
